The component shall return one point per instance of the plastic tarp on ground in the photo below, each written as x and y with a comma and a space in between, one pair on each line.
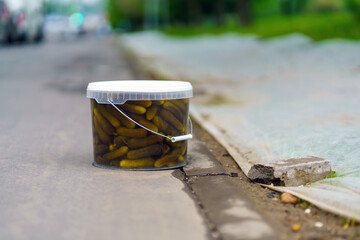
282, 98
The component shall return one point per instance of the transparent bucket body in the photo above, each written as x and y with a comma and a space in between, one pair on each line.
119, 143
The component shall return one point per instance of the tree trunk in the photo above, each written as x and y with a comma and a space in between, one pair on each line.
194, 12
220, 12
243, 9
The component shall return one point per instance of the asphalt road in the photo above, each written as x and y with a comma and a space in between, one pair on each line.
48, 187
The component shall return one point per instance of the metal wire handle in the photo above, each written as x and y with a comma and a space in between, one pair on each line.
172, 139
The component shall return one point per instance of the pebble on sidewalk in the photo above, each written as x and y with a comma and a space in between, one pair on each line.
288, 198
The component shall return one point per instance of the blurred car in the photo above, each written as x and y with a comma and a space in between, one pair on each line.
58, 27
96, 23
30, 20
21, 20
7, 29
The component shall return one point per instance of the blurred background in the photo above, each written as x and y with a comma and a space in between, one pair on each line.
318, 19
25, 21
35, 20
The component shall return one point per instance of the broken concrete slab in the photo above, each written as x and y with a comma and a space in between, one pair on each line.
292, 172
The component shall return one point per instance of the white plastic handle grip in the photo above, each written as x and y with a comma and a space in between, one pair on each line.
181, 138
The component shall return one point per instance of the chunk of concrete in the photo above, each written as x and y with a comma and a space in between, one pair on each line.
292, 172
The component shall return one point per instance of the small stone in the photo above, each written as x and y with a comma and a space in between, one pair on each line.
319, 224
296, 227
308, 210
288, 198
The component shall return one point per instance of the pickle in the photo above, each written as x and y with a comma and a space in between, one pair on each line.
145, 152
172, 156
163, 160
174, 144
151, 112
181, 158
142, 142
158, 102
116, 154
144, 103
95, 138
120, 140
112, 147
103, 122
136, 117
144, 162
149, 125
111, 119
101, 149
134, 108
172, 164
169, 117
115, 163
173, 109
160, 123
126, 122
166, 149
180, 105
100, 160
128, 132
102, 135
183, 149
163, 125
141, 120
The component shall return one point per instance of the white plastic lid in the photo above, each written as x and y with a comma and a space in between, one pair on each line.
119, 92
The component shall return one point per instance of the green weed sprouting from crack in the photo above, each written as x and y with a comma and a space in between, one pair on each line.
333, 174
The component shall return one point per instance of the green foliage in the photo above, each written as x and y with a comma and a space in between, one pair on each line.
326, 6
333, 174
177, 12
304, 204
354, 5
125, 13
348, 222
319, 19
318, 27
266, 8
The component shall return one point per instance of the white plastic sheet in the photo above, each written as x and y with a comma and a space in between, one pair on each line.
283, 98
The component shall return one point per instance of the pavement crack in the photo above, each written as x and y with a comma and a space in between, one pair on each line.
232, 174
215, 234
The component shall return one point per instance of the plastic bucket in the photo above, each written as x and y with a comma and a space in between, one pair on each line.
140, 125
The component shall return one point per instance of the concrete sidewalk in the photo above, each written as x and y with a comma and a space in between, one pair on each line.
50, 190
48, 187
